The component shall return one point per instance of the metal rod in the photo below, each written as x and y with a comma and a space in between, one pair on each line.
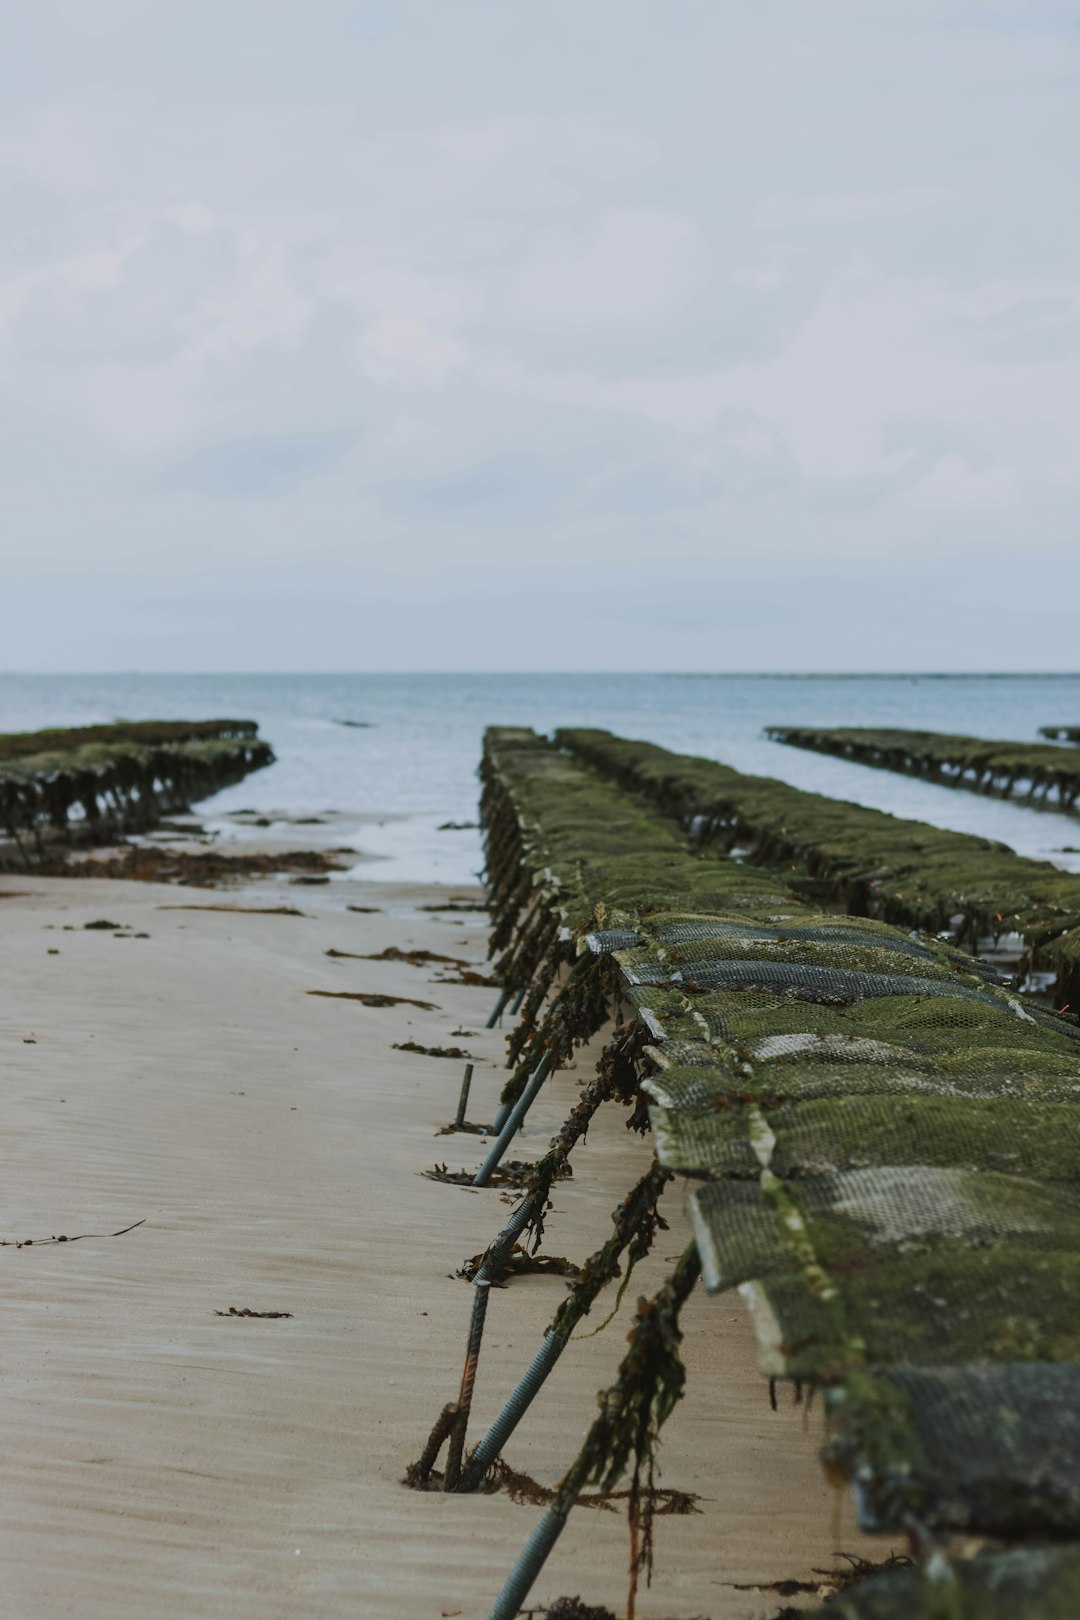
517, 1404
468, 1382
419, 1472
513, 1120
534, 1554
501, 1117
597, 1444
496, 1252
515, 1005
503, 1242
635, 1224
463, 1100
499, 1005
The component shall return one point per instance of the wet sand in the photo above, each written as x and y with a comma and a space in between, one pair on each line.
162, 1461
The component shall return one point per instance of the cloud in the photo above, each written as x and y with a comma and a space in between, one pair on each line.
257, 469
503, 490
953, 482
407, 354
626, 267
409, 290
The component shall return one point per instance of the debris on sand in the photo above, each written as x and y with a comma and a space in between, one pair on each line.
264, 1316
393, 954
371, 999
431, 1051
455, 905
468, 976
249, 911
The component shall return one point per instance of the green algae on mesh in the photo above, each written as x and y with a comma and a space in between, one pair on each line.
1039, 770
912, 1223
806, 953
872, 1425
121, 777
720, 1080
1029, 1582
18, 745
905, 872
1040, 1140
935, 1307
833, 1134
923, 1024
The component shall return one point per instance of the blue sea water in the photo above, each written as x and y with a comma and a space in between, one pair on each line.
412, 763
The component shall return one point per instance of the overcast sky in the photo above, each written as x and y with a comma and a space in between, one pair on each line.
422, 334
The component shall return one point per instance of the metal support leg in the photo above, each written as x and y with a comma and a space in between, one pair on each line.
453, 1418
501, 1116
499, 1005
516, 1406
513, 1120
635, 1227
500, 1246
468, 1383
534, 1554
463, 1100
598, 1444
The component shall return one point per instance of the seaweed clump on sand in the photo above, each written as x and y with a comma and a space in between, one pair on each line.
199, 868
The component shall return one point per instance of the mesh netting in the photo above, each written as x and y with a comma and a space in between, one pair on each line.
702, 1125
883, 1140
1021, 1583
922, 1023
802, 981
935, 1306
871, 862
1004, 1441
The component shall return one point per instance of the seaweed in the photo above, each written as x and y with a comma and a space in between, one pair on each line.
370, 998
430, 1051
197, 869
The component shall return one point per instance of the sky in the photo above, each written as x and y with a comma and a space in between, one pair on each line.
602, 334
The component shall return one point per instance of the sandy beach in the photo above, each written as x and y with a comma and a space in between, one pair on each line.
164, 1460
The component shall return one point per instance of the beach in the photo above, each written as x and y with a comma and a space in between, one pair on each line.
164, 1459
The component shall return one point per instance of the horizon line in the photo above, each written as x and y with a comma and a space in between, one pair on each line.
667, 674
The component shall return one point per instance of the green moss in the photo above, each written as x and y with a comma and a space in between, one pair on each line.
905, 872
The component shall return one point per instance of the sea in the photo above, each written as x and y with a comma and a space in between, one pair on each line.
399, 752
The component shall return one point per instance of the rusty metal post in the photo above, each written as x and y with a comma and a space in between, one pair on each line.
468, 1382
